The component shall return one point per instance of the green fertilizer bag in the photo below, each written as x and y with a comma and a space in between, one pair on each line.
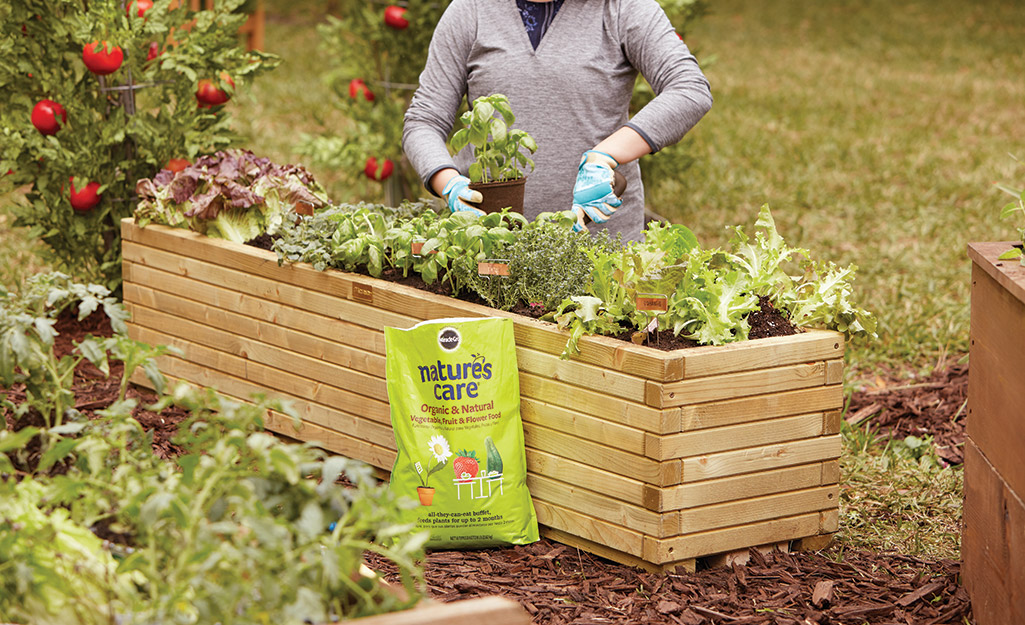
455, 408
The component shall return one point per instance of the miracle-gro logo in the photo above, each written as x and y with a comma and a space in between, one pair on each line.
449, 339
456, 381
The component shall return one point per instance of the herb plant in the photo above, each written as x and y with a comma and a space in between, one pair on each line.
497, 147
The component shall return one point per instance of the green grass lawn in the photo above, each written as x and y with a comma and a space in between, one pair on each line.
875, 131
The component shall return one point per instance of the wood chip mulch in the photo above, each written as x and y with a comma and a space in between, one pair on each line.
560, 585
931, 406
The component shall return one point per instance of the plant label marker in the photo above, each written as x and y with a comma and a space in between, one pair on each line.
493, 267
363, 292
652, 302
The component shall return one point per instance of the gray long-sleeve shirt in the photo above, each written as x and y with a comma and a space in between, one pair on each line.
570, 93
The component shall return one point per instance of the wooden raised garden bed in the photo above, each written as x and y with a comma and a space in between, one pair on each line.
642, 456
994, 474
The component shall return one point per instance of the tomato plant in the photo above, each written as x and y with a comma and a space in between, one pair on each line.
45, 114
59, 120
101, 58
375, 56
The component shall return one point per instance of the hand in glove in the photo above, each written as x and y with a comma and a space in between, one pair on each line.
461, 197
593, 194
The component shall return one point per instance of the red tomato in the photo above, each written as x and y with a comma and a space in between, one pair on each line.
102, 58
374, 172
357, 86
395, 17
44, 116
177, 164
83, 200
153, 51
209, 94
143, 6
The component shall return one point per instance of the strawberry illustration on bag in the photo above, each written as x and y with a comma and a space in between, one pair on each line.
465, 465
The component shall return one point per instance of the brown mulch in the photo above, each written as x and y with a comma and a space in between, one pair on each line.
561, 585
933, 406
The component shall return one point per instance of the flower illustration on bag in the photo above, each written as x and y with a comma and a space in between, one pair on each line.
440, 450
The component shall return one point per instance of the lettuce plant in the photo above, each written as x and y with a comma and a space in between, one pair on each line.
231, 195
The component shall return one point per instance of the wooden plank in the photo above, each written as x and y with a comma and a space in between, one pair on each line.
829, 520
659, 550
566, 538
993, 541
761, 508
757, 407
810, 346
490, 610
831, 472
193, 352
831, 421
368, 408
326, 325
603, 507
581, 374
739, 436
256, 331
590, 528
282, 291
1010, 273
303, 367
834, 371
729, 386
609, 458
366, 419
585, 475
737, 487
996, 382
604, 352
336, 441
812, 543
582, 425
763, 458
596, 404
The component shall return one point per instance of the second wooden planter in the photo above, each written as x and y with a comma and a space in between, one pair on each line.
645, 457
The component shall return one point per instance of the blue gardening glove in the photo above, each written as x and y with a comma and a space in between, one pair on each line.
461, 197
593, 195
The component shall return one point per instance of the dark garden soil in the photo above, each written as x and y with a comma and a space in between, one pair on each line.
560, 585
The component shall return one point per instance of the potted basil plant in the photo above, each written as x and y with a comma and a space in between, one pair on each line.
500, 152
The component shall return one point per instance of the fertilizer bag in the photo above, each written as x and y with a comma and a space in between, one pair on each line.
454, 392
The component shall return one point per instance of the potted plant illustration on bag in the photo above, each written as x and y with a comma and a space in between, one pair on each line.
441, 451
500, 152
